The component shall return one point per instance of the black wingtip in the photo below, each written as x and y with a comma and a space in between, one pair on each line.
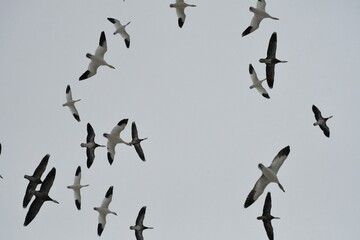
247, 31
109, 192
265, 95
270, 82
112, 20
250, 199
110, 159
78, 171
124, 121
68, 89
180, 22
78, 205
76, 117
100, 229
251, 69
127, 43
285, 151
102, 38
84, 76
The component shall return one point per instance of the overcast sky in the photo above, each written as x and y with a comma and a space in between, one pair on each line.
188, 92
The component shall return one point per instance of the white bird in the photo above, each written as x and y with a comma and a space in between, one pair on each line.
268, 176
71, 103
136, 141
76, 187
259, 15
139, 226
321, 121
180, 6
114, 139
90, 145
104, 210
97, 60
120, 29
256, 83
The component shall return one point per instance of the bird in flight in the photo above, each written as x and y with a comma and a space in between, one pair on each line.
139, 226
267, 217
104, 210
321, 121
71, 103
136, 141
76, 187
90, 145
120, 29
257, 83
180, 6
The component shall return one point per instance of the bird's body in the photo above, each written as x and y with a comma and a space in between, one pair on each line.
103, 210
114, 139
90, 145
41, 196
180, 6
139, 226
120, 29
257, 83
321, 121
259, 15
266, 217
271, 60
76, 187
97, 59
136, 141
71, 103
269, 174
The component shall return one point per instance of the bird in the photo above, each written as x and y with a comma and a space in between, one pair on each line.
71, 103
321, 121
121, 30
41, 196
90, 145
271, 60
136, 141
180, 6
268, 175
104, 210
114, 138
35, 179
97, 60
267, 217
76, 187
139, 226
259, 15
0, 153
256, 83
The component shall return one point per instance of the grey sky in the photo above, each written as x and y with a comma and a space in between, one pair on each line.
188, 91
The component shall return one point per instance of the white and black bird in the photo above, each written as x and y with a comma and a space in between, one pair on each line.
267, 217
35, 179
114, 138
120, 29
41, 196
268, 175
139, 226
136, 141
257, 83
71, 103
97, 60
90, 145
259, 15
76, 187
271, 60
104, 210
180, 6
321, 121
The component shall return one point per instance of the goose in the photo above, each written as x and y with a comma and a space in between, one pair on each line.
321, 121
97, 60
90, 145
139, 226
180, 6
256, 83
114, 138
34, 180
71, 103
271, 60
268, 175
104, 210
41, 196
259, 15
76, 187
121, 30
136, 141
267, 217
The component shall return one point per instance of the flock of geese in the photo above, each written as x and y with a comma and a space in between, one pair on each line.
269, 174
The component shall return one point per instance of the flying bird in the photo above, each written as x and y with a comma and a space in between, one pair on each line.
271, 60
97, 60
41, 196
104, 210
90, 145
114, 139
139, 226
71, 103
267, 217
257, 83
76, 187
121, 30
268, 175
136, 141
321, 121
180, 6
259, 15
34, 180
0, 153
